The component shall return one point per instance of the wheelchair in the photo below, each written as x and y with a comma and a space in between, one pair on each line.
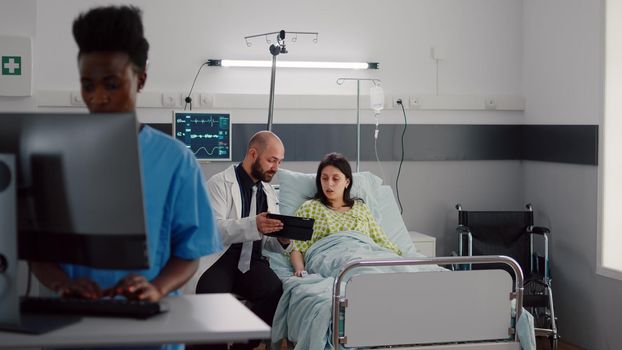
513, 233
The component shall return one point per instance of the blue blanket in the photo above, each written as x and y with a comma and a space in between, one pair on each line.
304, 311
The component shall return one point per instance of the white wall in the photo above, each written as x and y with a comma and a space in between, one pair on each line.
563, 85
563, 61
564, 197
480, 39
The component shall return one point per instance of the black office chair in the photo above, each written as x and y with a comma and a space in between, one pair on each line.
512, 233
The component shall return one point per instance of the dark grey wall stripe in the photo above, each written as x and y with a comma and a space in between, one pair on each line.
576, 144
457, 142
561, 143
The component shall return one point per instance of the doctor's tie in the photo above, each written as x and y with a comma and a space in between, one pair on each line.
244, 264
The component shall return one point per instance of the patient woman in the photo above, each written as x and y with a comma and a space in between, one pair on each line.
335, 211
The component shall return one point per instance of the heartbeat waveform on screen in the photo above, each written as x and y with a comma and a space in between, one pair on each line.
204, 136
211, 121
208, 152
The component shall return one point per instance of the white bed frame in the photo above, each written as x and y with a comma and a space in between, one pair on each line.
427, 310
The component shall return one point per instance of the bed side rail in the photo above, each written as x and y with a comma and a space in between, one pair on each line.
428, 307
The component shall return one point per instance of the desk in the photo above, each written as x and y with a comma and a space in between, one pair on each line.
204, 318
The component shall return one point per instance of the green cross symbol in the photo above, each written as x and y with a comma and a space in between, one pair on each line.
11, 65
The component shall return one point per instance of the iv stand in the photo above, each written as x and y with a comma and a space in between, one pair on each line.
276, 49
340, 81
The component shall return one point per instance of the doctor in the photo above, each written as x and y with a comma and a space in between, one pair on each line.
241, 196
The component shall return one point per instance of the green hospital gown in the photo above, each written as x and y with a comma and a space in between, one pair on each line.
329, 221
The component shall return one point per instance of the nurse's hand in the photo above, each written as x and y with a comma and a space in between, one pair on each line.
266, 225
135, 287
81, 288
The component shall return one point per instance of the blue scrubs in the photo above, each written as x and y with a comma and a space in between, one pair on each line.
179, 216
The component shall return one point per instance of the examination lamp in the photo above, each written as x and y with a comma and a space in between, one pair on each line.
277, 48
292, 64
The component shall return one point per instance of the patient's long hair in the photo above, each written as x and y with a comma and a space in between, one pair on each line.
340, 162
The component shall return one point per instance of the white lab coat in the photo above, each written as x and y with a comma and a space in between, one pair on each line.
225, 198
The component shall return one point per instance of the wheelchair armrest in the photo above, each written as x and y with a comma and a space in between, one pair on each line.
540, 230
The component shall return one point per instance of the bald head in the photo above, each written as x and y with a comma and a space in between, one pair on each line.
264, 155
262, 139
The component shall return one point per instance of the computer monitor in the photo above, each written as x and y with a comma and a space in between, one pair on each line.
207, 135
74, 195
79, 188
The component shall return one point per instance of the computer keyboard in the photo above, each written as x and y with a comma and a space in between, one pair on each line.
98, 307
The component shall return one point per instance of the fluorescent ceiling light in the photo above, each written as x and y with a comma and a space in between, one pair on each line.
293, 64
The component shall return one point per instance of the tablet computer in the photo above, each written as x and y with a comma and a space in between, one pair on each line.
294, 227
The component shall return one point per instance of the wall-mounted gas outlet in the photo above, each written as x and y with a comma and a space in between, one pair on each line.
437, 53
399, 101
170, 99
76, 99
206, 100
415, 101
490, 103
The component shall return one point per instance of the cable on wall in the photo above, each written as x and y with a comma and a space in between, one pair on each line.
188, 98
376, 131
399, 169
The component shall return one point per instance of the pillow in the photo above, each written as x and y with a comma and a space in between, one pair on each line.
392, 223
295, 188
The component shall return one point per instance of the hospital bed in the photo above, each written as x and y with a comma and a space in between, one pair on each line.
379, 302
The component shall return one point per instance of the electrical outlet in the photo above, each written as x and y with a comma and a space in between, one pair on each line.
206, 100
76, 99
436, 53
490, 103
194, 97
170, 99
404, 101
184, 97
415, 101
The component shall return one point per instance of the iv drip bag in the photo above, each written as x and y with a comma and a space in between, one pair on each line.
376, 98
